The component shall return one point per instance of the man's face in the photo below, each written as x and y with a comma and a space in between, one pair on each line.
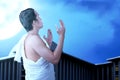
38, 21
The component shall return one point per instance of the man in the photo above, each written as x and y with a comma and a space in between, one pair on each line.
38, 59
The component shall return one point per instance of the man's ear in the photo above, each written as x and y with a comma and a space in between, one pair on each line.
33, 24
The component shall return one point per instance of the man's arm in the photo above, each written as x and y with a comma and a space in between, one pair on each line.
40, 48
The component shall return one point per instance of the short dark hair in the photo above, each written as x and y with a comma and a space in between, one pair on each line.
26, 18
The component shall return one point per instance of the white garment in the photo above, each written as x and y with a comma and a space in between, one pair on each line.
19, 49
39, 70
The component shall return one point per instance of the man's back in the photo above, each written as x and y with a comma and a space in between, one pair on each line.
29, 51
36, 70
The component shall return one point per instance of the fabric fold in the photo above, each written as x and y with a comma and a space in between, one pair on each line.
19, 49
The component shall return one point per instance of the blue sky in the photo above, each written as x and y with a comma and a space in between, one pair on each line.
92, 27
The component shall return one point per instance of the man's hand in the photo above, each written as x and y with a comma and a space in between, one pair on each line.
61, 30
49, 37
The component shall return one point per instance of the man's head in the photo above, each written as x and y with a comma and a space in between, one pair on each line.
27, 17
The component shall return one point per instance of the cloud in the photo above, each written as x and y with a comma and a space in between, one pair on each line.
87, 23
9, 22
83, 21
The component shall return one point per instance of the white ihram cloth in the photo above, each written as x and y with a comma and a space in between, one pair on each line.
39, 70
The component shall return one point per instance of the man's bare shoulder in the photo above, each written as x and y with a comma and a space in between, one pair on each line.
35, 39
36, 42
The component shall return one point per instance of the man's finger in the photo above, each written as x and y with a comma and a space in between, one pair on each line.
49, 31
61, 23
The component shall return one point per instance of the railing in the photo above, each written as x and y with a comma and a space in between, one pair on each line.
9, 70
68, 68
104, 71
